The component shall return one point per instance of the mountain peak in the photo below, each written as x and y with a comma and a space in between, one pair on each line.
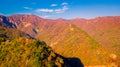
21, 18
25, 16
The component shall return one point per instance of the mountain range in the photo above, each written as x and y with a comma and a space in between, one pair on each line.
94, 41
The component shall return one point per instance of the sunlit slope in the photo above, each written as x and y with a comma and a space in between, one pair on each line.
105, 30
70, 41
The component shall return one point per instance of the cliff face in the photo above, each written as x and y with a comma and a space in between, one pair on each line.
4, 22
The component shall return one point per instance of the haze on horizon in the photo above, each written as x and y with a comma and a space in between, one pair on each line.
66, 9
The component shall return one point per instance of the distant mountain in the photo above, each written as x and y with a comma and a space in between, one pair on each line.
26, 23
105, 30
75, 38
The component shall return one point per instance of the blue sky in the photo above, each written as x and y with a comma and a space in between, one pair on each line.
61, 8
